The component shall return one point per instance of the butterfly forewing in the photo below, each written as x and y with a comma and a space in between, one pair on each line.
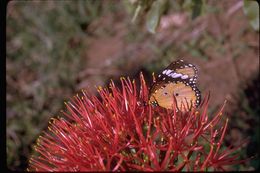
179, 70
190, 71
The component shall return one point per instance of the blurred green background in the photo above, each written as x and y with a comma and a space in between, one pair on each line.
56, 48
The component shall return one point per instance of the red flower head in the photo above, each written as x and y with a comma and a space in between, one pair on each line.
119, 133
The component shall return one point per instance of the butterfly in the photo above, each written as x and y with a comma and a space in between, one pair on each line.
176, 84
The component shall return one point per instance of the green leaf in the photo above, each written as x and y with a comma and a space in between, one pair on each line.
251, 10
137, 12
154, 15
197, 8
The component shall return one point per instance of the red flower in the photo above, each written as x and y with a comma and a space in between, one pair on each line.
119, 132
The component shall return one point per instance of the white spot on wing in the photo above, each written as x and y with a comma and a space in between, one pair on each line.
164, 71
184, 76
176, 75
168, 72
173, 74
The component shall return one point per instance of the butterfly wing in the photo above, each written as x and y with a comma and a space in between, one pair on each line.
185, 96
177, 81
179, 71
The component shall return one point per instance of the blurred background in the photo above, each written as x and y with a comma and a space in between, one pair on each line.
56, 48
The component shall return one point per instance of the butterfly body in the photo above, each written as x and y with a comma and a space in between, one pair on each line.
176, 84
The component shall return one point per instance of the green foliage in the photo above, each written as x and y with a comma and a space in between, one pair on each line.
154, 15
195, 7
153, 10
140, 7
251, 10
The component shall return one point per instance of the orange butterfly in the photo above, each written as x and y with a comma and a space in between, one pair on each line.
176, 84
